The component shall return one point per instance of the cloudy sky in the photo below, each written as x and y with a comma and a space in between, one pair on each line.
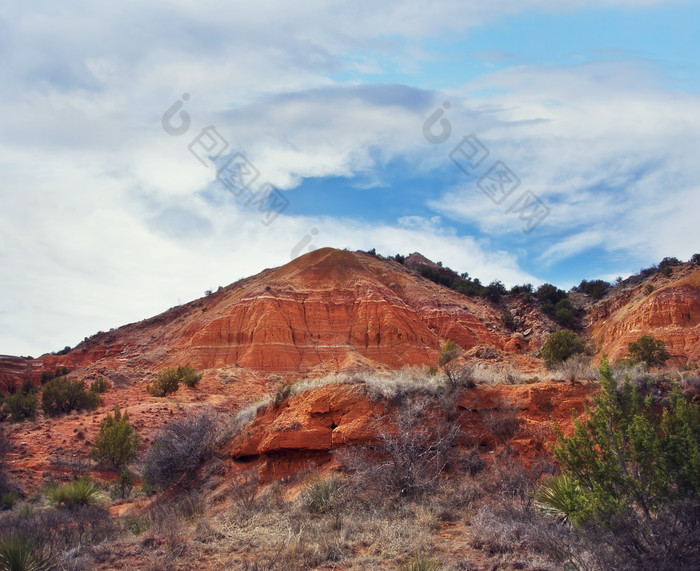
153, 150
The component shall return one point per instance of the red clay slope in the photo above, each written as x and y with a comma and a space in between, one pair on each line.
329, 310
670, 313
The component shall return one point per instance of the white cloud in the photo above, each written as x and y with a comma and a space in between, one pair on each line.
604, 145
98, 200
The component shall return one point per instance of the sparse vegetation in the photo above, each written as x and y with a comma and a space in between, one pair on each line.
507, 320
648, 350
180, 449
399, 501
320, 495
124, 484
560, 346
168, 380
594, 288
62, 395
117, 442
631, 478
99, 386
80, 492
21, 406
283, 392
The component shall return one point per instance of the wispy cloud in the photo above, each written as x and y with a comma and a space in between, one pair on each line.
105, 218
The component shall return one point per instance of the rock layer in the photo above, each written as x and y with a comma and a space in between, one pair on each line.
670, 313
327, 311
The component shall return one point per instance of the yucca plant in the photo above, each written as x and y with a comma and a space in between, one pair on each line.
319, 495
78, 492
19, 552
421, 563
562, 498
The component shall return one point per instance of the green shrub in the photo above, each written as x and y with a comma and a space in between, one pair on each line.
27, 387
548, 293
507, 320
669, 262
283, 392
518, 289
168, 380
19, 552
560, 346
21, 406
80, 492
494, 291
649, 351
595, 288
99, 386
561, 497
117, 442
166, 383
8, 500
62, 395
565, 318
628, 457
630, 479
189, 376
695, 259
46, 376
124, 484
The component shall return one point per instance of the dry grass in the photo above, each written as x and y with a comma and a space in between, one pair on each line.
576, 368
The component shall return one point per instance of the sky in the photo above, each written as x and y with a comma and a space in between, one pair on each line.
153, 150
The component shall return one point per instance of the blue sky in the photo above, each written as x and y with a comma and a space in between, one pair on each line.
594, 107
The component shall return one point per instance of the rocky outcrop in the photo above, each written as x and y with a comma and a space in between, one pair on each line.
308, 427
327, 311
322, 419
671, 313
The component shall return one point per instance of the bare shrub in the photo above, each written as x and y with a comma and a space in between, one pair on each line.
459, 375
399, 386
637, 374
689, 380
180, 449
668, 542
411, 455
56, 531
575, 368
244, 491
471, 462
512, 535
67, 467
6, 487
503, 422
496, 374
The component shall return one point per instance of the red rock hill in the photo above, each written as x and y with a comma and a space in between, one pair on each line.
326, 311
